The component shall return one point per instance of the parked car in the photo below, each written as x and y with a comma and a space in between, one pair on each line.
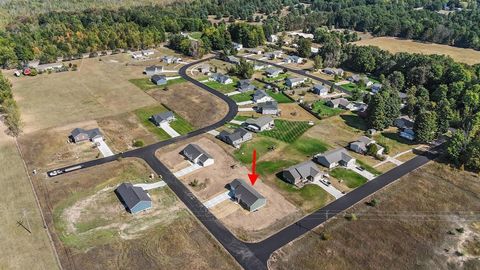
325, 182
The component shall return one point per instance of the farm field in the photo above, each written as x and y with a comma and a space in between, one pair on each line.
430, 204
25, 250
88, 237
395, 45
97, 89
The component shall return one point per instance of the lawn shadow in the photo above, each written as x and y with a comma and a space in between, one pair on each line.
397, 138
354, 121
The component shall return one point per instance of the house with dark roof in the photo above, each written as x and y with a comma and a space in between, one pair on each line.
197, 155
333, 71
361, 145
294, 82
259, 124
261, 96
236, 138
336, 157
159, 79
408, 134
273, 72
245, 86
246, 195
403, 122
320, 89
135, 199
341, 103
163, 117
153, 70
80, 135
221, 78
269, 108
303, 172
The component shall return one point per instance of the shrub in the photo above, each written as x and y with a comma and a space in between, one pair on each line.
351, 217
460, 230
372, 203
138, 143
325, 236
193, 183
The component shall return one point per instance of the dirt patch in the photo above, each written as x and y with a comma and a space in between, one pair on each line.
291, 111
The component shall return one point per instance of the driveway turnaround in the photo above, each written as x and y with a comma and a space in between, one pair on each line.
172, 132
104, 149
158, 184
217, 199
189, 169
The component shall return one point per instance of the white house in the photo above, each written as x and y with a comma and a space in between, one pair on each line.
260, 96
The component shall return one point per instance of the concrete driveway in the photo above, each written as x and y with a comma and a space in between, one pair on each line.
103, 148
330, 189
158, 184
169, 130
217, 199
364, 173
187, 170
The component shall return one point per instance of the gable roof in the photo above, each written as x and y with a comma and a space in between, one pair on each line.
236, 135
163, 116
244, 192
193, 152
273, 70
260, 122
336, 155
91, 133
296, 79
132, 195
304, 170
340, 101
269, 105
157, 78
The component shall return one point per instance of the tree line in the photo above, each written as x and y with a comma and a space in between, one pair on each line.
8, 107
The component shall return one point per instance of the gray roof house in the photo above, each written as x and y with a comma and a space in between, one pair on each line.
135, 199
341, 103
260, 66
171, 59
246, 195
269, 107
360, 145
306, 171
159, 79
245, 86
333, 158
293, 59
294, 82
197, 155
404, 122
234, 60
261, 96
236, 138
221, 78
260, 124
333, 71
163, 117
376, 87
273, 72
320, 89
274, 54
153, 70
80, 135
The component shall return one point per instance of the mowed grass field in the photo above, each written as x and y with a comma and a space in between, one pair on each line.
20, 249
98, 89
395, 45
426, 220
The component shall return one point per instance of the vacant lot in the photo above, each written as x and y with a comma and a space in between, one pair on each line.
76, 205
394, 45
427, 220
97, 89
21, 250
294, 112
287, 131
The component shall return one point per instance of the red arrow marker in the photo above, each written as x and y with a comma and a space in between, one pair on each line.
253, 176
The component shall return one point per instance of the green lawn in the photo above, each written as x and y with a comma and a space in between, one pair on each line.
280, 97
308, 198
266, 168
309, 146
280, 77
242, 117
224, 88
351, 178
180, 125
287, 131
368, 167
324, 111
242, 97
146, 84
261, 145
195, 35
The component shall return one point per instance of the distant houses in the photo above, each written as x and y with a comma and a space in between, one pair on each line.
246, 195
135, 199
260, 96
303, 172
336, 157
162, 118
236, 138
159, 79
274, 55
221, 78
333, 71
141, 54
260, 124
153, 70
197, 155
245, 86
293, 59
256, 51
268, 108
168, 59
294, 82
320, 89
273, 72
80, 135
234, 60
237, 46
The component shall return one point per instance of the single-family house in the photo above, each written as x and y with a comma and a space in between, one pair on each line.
221, 78
357, 78
293, 59
197, 155
148, 52
135, 199
171, 59
245, 86
294, 82
234, 60
273, 72
260, 124
336, 157
403, 122
260, 66
361, 144
163, 117
80, 135
407, 133
341, 103
268, 108
274, 55
320, 89
47, 67
153, 70
333, 71
159, 79
204, 69
246, 195
237, 46
257, 51
260, 96
236, 138
303, 172
376, 87
135, 55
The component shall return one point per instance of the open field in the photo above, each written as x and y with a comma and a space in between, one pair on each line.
287, 131
395, 45
98, 89
427, 220
20, 250
86, 237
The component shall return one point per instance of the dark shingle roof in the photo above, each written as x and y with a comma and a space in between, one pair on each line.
131, 195
193, 151
244, 192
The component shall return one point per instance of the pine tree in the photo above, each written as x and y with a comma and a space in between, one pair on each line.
376, 112
425, 127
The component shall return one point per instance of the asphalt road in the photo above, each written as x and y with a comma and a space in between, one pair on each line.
251, 255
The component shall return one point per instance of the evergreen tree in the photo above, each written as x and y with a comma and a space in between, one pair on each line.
376, 113
425, 127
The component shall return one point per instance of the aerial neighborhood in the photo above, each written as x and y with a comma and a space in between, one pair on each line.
240, 135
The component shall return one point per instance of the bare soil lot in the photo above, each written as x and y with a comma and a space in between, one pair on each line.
291, 111
97, 89
195, 105
395, 45
212, 181
75, 205
424, 221
20, 249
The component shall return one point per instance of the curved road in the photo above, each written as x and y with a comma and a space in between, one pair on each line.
251, 255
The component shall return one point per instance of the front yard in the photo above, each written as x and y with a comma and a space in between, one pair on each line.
350, 178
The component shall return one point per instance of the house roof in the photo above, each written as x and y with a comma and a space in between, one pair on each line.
320, 87
336, 155
157, 78
91, 133
153, 68
296, 79
273, 70
245, 84
260, 94
260, 122
220, 77
269, 105
304, 170
244, 192
366, 140
132, 195
193, 151
340, 101
404, 122
236, 135
163, 116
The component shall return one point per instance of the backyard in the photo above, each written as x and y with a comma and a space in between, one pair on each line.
325, 111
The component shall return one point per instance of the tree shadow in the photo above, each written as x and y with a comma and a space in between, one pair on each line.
354, 121
395, 137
